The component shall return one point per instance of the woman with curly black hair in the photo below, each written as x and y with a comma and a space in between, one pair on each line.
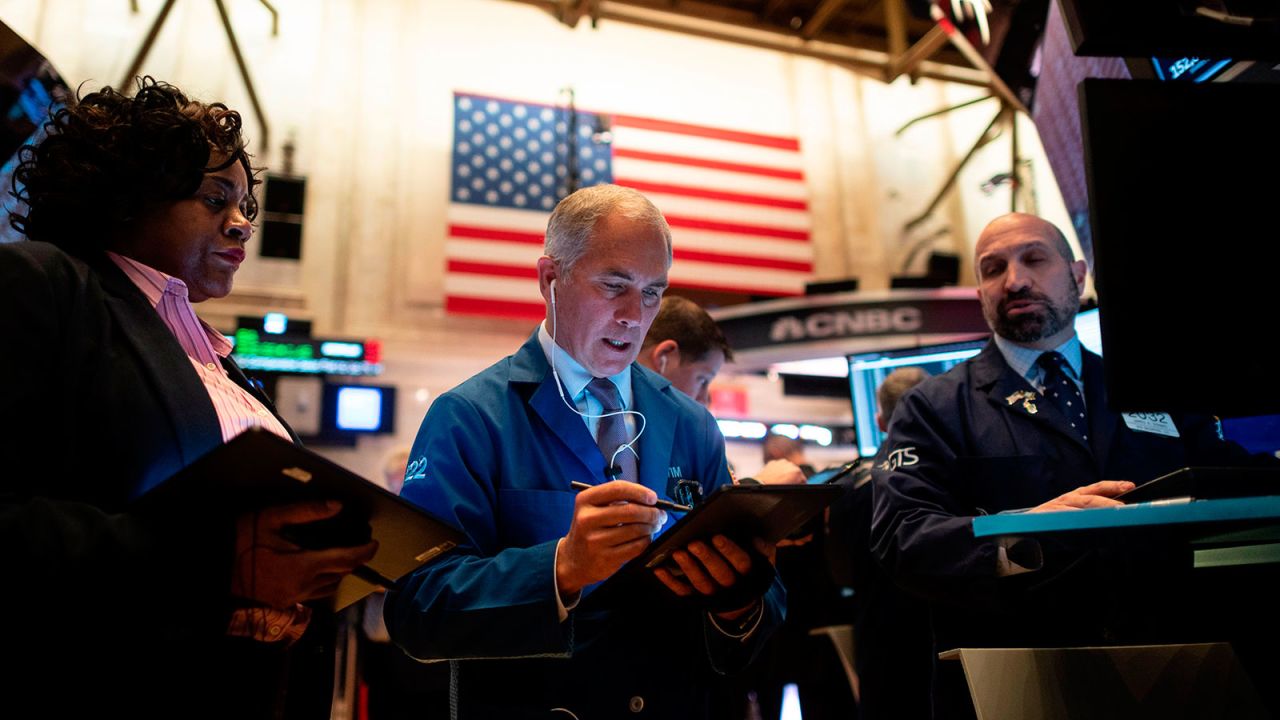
135, 208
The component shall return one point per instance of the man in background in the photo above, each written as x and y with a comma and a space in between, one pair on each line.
781, 447
685, 346
890, 627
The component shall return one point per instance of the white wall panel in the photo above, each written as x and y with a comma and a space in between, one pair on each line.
364, 88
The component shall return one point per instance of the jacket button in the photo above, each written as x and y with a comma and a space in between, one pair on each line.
636, 704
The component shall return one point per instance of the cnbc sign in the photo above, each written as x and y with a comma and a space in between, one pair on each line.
853, 316
846, 323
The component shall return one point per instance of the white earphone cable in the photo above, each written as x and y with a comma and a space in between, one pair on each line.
613, 461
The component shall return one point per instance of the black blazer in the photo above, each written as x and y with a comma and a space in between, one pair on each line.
99, 403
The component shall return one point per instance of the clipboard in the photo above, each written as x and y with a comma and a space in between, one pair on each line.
1206, 483
740, 513
258, 469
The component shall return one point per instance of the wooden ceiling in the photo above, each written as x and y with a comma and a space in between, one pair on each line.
881, 38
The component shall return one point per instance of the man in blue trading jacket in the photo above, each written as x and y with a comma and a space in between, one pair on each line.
1025, 424
513, 610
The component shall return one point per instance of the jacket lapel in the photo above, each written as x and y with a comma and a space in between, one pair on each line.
239, 378
532, 378
168, 367
1011, 392
649, 391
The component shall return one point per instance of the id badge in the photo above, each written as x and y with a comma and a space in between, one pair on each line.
1154, 423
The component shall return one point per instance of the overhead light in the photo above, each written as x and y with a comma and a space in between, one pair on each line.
816, 433
786, 430
836, 367
744, 429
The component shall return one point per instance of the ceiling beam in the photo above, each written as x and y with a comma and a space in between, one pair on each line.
822, 15
770, 8
759, 35
910, 61
699, 8
570, 12
895, 27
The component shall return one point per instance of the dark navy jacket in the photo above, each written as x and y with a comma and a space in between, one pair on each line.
959, 447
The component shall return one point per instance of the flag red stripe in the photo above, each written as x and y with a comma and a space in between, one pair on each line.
471, 267
687, 191
772, 141
743, 260
709, 164
499, 308
707, 285
736, 228
488, 233
482, 268
529, 310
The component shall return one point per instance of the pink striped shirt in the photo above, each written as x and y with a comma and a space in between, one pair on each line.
237, 411
205, 347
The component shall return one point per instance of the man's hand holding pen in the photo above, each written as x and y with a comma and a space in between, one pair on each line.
612, 523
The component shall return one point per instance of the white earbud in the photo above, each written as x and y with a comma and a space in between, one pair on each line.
553, 295
662, 366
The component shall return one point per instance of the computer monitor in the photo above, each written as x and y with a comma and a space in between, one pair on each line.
868, 370
349, 408
1146, 28
1089, 330
1183, 180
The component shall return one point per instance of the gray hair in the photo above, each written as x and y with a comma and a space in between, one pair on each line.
574, 220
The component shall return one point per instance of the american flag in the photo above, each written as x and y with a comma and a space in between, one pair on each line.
736, 201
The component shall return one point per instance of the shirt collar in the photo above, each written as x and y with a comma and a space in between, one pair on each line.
153, 284
1023, 359
150, 281
574, 376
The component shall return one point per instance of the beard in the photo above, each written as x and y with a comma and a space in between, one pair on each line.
1055, 315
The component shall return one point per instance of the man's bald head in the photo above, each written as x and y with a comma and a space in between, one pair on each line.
1026, 224
1028, 283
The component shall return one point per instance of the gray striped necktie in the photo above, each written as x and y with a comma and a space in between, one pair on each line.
612, 431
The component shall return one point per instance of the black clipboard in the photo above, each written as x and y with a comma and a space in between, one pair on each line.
1206, 483
258, 469
739, 512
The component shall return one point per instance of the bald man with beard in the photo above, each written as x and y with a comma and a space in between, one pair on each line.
1025, 425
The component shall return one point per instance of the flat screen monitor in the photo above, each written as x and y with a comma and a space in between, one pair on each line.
1089, 330
1183, 180
868, 370
358, 409
1257, 434
1145, 28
